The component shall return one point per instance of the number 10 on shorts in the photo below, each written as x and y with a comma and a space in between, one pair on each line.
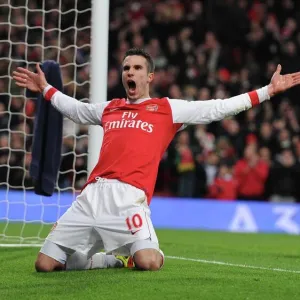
134, 223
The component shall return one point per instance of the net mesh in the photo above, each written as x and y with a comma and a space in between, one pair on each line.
30, 32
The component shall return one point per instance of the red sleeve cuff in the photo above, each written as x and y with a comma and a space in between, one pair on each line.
50, 93
254, 98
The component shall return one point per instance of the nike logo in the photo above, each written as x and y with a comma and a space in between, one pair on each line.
134, 232
113, 109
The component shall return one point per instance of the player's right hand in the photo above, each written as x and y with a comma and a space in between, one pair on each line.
36, 82
280, 83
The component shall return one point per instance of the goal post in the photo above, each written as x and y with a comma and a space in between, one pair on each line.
74, 34
99, 63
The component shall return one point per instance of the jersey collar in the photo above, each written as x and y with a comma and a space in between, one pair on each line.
137, 101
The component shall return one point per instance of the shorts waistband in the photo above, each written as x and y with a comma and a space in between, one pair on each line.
107, 180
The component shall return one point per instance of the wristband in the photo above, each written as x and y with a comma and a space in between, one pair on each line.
48, 92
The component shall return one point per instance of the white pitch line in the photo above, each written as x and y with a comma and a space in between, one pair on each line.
222, 263
20, 245
203, 261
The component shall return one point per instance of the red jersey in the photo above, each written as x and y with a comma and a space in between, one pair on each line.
135, 139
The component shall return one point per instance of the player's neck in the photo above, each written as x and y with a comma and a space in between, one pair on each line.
139, 100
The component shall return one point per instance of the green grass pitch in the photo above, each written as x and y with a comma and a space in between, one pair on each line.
259, 266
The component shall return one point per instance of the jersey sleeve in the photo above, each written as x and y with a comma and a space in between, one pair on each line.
204, 112
79, 112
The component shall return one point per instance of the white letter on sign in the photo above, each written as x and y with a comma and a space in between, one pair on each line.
243, 220
285, 220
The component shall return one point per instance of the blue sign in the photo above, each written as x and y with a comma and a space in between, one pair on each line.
173, 213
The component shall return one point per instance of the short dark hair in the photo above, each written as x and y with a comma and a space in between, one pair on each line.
146, 55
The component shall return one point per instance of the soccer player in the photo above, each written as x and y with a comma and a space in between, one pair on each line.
112, 212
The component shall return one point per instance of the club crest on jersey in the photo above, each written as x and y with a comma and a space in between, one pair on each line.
152, 107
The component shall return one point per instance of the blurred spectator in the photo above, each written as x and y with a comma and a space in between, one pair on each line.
4, 116
231, 129
266, 137
67, 164
4, 160
185, 165
251, 173
210, 165
265, 155
201, 177
224, 186
283, 182
284, 140
224, 149
114, 84
206, 140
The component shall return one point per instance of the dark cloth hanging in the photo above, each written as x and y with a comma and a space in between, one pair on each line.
47, 141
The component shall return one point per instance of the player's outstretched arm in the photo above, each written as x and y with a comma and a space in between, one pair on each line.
204, 112
81, 113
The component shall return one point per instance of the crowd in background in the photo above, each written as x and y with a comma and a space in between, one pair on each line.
202, 50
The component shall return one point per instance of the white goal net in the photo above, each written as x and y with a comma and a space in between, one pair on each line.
33, 31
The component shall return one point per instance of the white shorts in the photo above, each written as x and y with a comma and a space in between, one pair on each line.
108, 215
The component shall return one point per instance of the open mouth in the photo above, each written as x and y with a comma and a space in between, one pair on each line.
131, 85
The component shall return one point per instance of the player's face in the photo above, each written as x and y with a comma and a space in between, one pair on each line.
135, 77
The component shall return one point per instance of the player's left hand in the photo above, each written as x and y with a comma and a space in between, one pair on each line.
280, 83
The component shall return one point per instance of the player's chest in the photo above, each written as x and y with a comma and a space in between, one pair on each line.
147, 118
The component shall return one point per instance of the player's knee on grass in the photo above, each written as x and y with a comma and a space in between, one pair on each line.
45, 263
148, 260
52, 257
